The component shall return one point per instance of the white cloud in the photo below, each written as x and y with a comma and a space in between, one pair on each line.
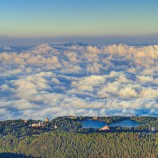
92, 49
128, 92
78, 80
140, 52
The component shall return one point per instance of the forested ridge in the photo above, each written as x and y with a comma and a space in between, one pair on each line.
19, 128
70, 140
76, 145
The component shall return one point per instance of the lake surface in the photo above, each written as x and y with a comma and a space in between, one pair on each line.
125, 123
93, 124
99, 124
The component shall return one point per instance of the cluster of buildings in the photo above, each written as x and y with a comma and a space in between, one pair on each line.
40, 123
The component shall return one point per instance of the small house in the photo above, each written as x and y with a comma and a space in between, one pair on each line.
46, 119
35, 125
71, 117
152, 129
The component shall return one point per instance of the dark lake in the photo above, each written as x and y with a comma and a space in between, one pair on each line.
125, 123
100, 124
93, 124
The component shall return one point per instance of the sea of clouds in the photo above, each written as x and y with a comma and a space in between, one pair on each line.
78, 79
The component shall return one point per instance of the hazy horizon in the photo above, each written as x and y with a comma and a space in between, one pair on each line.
139, 40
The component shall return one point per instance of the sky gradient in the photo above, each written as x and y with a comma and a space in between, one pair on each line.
60, 18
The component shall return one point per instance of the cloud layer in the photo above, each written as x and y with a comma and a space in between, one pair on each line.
78, 79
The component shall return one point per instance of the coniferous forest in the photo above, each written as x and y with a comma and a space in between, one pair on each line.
77, 145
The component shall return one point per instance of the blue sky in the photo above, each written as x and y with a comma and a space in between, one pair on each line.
62, 18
